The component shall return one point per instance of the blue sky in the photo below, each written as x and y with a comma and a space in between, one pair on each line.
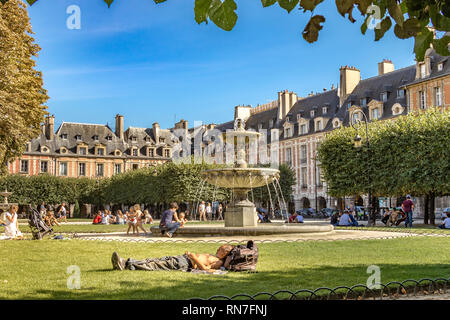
154, 63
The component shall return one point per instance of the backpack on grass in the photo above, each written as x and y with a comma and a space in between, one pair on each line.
243, 258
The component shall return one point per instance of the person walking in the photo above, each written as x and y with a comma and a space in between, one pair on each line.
219, 212
408, 206
202, 211
208, 211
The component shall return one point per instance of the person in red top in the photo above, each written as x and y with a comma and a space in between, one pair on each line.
408, 207
98, 218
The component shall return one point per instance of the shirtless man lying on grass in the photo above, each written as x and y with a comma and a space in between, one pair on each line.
185, 262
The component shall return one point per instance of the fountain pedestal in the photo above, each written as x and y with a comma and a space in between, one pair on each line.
241, 214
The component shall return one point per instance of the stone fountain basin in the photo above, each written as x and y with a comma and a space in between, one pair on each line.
261, 229
241, 178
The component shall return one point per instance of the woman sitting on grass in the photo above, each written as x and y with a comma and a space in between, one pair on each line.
12, 225
148, 217
120, 219
50, 219
98, 218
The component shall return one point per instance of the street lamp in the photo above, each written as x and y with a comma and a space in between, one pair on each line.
356, 123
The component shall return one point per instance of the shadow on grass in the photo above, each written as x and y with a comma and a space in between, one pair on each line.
170, 285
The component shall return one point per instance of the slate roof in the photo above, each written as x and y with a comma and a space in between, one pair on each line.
69, 135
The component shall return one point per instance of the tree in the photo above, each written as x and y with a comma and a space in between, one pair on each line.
420, 14
21, 87
407, 155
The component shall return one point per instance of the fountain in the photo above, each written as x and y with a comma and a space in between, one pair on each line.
240, 216
241, 180
5, 205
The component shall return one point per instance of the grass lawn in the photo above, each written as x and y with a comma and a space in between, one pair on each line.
418, 229
37, 269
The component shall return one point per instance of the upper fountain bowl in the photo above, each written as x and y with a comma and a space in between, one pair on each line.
241, 178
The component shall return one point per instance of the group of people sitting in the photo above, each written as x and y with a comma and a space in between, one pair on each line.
135, 218
51, 216
296, 218
344, 219
446, 223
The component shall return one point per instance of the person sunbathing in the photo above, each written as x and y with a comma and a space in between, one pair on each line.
185, 262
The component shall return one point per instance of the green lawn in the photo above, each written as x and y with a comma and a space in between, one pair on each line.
418, 229
37, 269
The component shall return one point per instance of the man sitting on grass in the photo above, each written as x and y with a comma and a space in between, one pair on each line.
446, 223
185, 262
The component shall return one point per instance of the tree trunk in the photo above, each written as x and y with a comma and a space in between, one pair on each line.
426, 213
432, 209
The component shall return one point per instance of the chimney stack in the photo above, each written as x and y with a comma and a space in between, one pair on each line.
156, 131
286, 101
385, 66
50, 127
349, 79
242, 112
119, 126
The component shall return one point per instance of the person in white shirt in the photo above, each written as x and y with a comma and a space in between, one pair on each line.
446, 223
62, 213
12, 225
202, 211
208, 211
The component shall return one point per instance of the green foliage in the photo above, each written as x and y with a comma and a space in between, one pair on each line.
407, 155
22, 95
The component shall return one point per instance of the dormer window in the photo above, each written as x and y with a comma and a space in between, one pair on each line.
384, 96
336, 124
101, 151
95, 138
78, 137
318, 125
151, 152
82, 150
363, 102
133, 139
134, 152
313, 113
303, 129
440, 66
375, 114
349, 105
64, 136
422, 70
109, 138
299, 116
287, 132
400, 93
63, 150
260, 125
162, 140
324, 110
44, 149
167, 153
288, 118
270, 123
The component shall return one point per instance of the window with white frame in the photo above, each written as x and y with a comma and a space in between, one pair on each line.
355, 117
318, 125
63, 169
422, 70
375, 114
384, 96
303, 154
299, 116
303, 128
422, 100
304, 177
44, 166
287, 132
363, 102
64, 136
134, 152
270, 123
437, 96
24, 166
400, 93
324, 110
440, 66
117, 168
313, 113
82, 169
99, 170
288, 156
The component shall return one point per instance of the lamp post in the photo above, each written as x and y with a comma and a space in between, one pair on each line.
356, 123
